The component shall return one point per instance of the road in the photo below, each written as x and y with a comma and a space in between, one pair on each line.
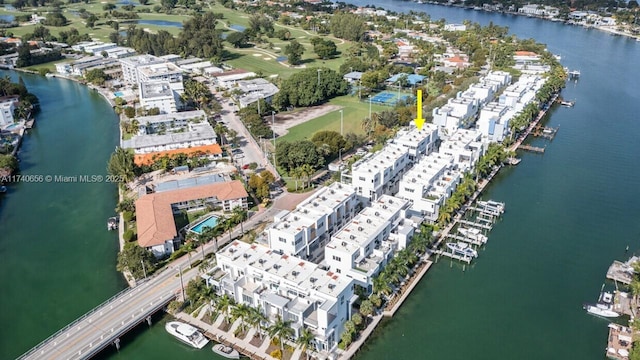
251, 151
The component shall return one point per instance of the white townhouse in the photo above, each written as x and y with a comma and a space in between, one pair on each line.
170, 123
8, 105
363, 247
429, 184
158, 95
131, 64
305, 231
457, 113
418, 142
493, 122
466, 147
519, 94
287, 287
200, 134
501, 78
378, 173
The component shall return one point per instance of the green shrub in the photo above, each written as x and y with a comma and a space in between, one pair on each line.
128, 235
276, 354
127, 216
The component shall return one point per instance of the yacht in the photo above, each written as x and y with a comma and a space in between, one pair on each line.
604, 306
226, 351
462, 249
473, 234
187, 334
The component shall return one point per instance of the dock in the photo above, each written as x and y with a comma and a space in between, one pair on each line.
622, 303
574, 74
465, 259
619, 342
476, 224
535, 149
621, 272
465, 239
545, 132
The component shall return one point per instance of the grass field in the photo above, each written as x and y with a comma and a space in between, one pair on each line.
354, 112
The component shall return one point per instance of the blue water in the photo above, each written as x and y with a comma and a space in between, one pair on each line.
210, 222
8, 18
237, 27
118, 94
160, 23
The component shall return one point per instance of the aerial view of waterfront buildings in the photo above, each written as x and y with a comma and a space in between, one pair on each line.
314, 273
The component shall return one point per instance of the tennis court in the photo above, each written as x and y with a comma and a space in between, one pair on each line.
390, 98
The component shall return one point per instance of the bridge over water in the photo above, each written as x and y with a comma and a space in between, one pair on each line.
103, 326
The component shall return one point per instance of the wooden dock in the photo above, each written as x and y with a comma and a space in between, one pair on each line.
535, 149
619, 342
620, 272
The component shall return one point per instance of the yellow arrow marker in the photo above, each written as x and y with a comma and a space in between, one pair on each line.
419, 120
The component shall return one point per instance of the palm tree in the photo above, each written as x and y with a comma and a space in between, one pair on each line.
306, 171
240, 215
366, 307
304, 340
241, 311
256, 318
381, 285
223, 304
280, 330
227, 225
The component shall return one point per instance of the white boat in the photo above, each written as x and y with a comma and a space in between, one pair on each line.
187, 334
473, 234
492, 205
604, 306
462, 249
603, 310
226, 351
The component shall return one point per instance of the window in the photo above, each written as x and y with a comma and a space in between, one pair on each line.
361, 178
341, 299
338, 271
283, 240
336, 258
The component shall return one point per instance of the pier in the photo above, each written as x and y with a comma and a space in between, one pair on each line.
476, 224
619, 342
465, 259
545, 132
574, 74
465, 239
622, 272
539, 150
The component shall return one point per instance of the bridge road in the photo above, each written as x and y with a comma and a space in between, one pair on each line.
106, 323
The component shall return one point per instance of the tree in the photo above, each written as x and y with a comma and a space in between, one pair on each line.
237, 39
294, 51
242, 312
325, 49
9, 161
348, 26
126, 204
132, 258
130, 112
292, 155
41, 32
304, 340
96, 76
366, 308
239, 216
91, 21
310, 87
121, 164
256, 318
331, 138
55, 19
223, 305
281, 330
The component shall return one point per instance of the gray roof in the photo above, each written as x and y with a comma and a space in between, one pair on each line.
190, 182
354, 75
197, 132
185, 115
276, 300
152, 90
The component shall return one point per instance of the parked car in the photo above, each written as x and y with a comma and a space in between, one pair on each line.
245, 166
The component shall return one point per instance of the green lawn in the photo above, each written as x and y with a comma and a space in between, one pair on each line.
51, 66
354, 112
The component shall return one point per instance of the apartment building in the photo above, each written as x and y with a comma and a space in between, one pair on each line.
305, 231
493, 122
287, 287
131, 64
458, 113
174, 122
8, 105
429, 184
362, 248
195, 135
417, 142
158, 95
466, 148
378, 173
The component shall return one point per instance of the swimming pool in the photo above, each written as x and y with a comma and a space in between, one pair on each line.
209, 222
118, 94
